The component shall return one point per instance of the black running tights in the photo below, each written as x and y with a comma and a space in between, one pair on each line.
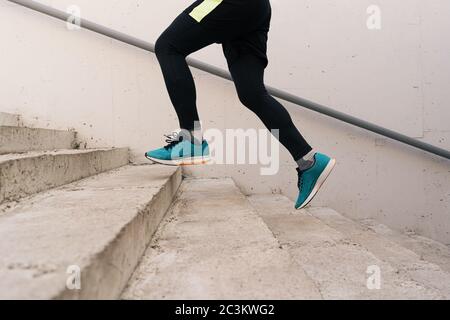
185, 36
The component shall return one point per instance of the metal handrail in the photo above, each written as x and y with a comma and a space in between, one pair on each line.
226, 75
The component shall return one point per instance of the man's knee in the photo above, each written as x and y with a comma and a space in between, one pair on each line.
161, 45
251, 98
164, 46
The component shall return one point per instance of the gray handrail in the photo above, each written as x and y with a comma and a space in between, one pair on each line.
226, 75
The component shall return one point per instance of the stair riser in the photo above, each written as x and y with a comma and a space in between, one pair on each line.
17, 139
109, 272
25, 176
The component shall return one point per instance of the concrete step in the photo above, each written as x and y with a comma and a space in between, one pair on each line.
427, 249
213, 245
336, 261
28, 173
21, 139
407, 262
100, 226
8, 119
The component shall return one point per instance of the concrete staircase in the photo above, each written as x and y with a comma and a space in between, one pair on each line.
34, 160
63, 209
216, 243
67, 212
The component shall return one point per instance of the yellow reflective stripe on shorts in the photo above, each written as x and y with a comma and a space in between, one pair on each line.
203, 9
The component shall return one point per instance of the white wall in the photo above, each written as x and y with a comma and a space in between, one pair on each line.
397, 77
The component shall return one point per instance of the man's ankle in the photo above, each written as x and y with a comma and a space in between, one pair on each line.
307, 161
195, 136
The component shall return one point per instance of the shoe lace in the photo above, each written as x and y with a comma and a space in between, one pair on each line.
172, 140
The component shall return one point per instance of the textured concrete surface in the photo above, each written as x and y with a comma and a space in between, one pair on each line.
8, 119
407, 262
427, 249
101, 224
213, 245
21, 139
25, 174
332, 259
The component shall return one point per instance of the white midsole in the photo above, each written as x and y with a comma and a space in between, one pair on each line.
182, 161
323, 176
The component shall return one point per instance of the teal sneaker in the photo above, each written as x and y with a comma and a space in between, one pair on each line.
180, 151
310, 180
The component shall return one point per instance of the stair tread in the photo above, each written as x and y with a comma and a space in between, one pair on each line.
428, 249
213, 245
407, 262
72, 225
332, 258
32, 154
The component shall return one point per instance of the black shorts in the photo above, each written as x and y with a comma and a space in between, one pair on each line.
241, 26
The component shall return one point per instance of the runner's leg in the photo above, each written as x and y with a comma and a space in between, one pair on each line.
248, 75
183, 37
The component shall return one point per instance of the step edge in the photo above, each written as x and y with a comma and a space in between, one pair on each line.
25, 128
34, 156
175, 178
54, 153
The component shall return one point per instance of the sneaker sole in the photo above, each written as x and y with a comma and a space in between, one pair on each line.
181, 162
324, 175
